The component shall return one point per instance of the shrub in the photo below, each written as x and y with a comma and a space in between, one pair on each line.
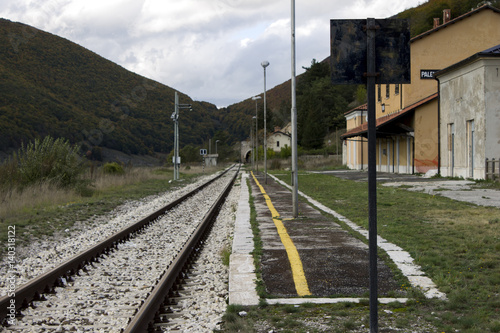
286, 151
275, 164
50, 160
113, 168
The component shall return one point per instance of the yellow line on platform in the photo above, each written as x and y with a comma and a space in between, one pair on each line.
299, 277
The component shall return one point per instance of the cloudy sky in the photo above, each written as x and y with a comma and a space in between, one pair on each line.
210, 50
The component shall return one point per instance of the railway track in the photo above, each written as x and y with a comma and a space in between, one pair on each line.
123, 283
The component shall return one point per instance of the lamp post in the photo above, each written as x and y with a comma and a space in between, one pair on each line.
175, 118
254, 148
264, 64
255, 98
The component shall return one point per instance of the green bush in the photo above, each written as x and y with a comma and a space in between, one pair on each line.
286, 151
50, 160
113, 168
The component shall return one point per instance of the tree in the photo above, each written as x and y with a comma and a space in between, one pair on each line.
320, 105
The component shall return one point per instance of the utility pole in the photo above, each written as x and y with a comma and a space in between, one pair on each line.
175, 118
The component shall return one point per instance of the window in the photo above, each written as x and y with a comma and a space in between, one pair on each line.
396, 89
277, 144
379, 92
387, 92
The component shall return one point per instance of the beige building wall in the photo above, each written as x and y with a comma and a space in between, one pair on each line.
278, 140
470, 118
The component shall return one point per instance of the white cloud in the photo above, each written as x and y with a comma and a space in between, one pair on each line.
210, 50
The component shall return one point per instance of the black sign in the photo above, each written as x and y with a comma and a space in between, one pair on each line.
428, 74
348, 59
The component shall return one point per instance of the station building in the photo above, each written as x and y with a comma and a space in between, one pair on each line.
411, 134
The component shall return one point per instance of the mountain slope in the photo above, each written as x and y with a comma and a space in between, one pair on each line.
51, 86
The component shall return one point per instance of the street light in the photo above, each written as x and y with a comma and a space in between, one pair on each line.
254, 148
255, 98
175, 118
264, 64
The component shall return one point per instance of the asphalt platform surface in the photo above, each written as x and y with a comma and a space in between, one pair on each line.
335, 263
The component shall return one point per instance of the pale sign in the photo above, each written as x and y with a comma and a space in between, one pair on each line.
428, 74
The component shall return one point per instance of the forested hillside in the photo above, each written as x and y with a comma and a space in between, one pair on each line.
51, 86
422, 17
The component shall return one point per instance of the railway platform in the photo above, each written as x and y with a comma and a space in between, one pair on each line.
310, 258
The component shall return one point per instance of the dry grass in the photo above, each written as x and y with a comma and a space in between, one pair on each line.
102, 181
15, 200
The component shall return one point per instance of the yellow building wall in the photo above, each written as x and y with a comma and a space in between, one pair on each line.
426, 137
434, 51
438, 50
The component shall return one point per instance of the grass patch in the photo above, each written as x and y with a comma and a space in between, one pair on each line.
225, 255
342, 317
257, 251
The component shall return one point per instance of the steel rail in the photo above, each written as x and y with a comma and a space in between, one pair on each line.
143, 319
45, 283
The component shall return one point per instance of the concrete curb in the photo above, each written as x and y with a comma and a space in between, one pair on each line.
242, 287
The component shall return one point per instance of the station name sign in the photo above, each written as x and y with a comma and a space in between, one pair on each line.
428, 74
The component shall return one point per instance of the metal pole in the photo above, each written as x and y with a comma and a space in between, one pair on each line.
372, 174
252, 146
265, 64
256, 133
176, 137
256, 147
295, 178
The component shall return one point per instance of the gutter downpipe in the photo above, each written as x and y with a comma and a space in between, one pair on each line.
439, 125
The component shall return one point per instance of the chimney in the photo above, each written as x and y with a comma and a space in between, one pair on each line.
446, 15
436, 22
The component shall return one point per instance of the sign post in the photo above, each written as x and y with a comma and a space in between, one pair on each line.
370, 52
203, 152
371, 76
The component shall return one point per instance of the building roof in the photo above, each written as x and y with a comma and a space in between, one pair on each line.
386, 120
455, 20
363, 107
280, 132
492, 52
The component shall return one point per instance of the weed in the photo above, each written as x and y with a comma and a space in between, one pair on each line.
225, 254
